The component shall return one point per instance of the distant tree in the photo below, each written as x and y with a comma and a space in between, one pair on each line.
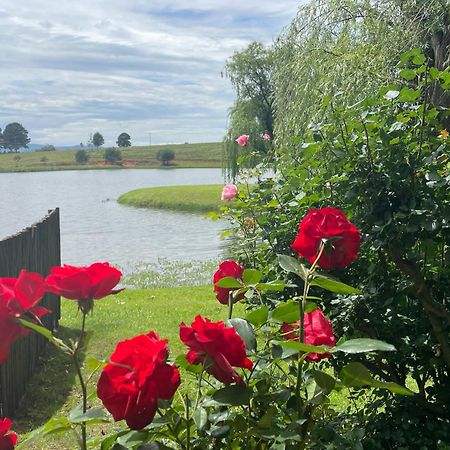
47, 148
81, 156
15, 136
124, 140
165, 156
97, 140
113, 155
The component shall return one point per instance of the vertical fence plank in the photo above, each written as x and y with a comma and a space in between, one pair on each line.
37, 249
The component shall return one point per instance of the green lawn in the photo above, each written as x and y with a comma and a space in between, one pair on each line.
202, 198
53, 390
186, 155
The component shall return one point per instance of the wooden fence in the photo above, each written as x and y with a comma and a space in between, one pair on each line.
37, 249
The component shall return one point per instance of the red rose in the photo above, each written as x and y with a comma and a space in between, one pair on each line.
84, 283
318, 331
136, 378
329, 225
220, 348
18, 297
7, 441
228, 268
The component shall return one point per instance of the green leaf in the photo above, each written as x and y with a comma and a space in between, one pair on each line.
245, 331
289, 311
201, 418
258, 316
251, 276
133, 438
323, 380
330, 284
408, 74
301, 347
390, 95
181, 361
229, 282
276, 285
291, 264
95, 364
220, 432
92, 415
55, 425
234, 394
286, 312
408, 94
47, 334
363, 345
356, 374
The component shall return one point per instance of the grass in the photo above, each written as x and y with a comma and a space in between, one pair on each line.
202, 198
53, 390
186, 155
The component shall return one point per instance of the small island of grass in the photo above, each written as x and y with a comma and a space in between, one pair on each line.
202, 199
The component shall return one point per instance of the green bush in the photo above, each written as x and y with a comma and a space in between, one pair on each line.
385, 162
113, 155
82, 156
165, 156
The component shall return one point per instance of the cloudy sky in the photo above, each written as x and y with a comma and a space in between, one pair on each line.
70, 68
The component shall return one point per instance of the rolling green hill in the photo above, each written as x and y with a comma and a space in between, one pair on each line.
186, 155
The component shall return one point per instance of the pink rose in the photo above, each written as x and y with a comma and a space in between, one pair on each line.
266, 136
229, 192
242, 140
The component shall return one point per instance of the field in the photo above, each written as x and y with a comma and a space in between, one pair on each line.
181, 198
186, 155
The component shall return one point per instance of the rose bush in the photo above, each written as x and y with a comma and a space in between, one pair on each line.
135, 378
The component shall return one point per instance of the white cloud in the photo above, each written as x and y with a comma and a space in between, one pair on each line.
71, 68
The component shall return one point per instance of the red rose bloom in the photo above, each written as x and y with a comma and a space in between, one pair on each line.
136, 378
318, 331
218, 347
7, 440
84, 283
19, 298
329, 225
228, 268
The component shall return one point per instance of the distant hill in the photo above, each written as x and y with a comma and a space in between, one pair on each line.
186, 155
34, 147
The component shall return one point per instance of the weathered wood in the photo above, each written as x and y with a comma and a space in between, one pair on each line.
37, 249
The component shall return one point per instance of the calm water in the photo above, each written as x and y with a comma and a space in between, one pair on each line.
94, 227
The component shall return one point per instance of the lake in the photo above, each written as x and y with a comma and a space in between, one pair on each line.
94, 227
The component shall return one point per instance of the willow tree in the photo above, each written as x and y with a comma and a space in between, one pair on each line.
250, 72
350, 47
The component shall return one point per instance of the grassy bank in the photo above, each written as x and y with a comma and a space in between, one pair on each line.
53, 391
202, 198
186, 155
